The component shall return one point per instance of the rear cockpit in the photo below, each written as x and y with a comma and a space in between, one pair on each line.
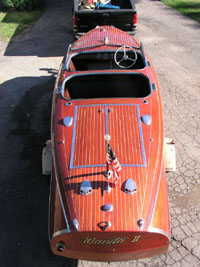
106, 85
94, 74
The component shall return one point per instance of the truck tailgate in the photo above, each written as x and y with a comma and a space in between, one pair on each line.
122, 19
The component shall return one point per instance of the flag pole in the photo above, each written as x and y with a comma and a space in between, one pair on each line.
108, 173
107, 138
107, 165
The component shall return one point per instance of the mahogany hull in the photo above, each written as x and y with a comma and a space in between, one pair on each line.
112, 221
111, 246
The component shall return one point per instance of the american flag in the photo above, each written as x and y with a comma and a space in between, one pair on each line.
114, 163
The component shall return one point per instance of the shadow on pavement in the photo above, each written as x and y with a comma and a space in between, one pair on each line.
49, 36
24, 191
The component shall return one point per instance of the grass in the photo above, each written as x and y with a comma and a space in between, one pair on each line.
15, 22
190, 8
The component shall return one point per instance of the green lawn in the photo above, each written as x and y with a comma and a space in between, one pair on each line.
190, 8
15, 22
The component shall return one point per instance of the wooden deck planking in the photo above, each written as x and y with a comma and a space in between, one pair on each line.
122, 123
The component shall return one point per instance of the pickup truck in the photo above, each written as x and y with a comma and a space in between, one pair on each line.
121, 14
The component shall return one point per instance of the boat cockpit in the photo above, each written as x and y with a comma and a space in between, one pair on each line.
105, 60
92, 83
106, 85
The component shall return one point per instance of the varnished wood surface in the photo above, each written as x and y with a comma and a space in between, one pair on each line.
80, 153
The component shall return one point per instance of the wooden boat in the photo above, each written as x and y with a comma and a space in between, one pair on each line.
107, 106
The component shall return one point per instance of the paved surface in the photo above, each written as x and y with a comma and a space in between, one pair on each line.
27, 74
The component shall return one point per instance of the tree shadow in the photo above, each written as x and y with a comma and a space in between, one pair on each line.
189, 9
20, 18
24, 191
188, 5
50, 34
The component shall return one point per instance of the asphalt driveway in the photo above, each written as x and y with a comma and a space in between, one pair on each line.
27, 75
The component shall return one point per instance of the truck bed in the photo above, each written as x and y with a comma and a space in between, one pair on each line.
124, 18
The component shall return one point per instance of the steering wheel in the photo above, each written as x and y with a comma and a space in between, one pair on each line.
125, 58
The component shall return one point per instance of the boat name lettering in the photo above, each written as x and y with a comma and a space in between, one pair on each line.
111, 241
135, 238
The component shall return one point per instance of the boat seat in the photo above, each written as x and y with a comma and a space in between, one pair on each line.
108, 85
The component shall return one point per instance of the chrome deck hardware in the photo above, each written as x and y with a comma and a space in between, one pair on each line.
130, 187
107, 207
68, 121
146, 119
86, 188
108, 188
140, 223
76, 224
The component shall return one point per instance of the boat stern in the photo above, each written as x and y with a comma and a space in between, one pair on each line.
109, 246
